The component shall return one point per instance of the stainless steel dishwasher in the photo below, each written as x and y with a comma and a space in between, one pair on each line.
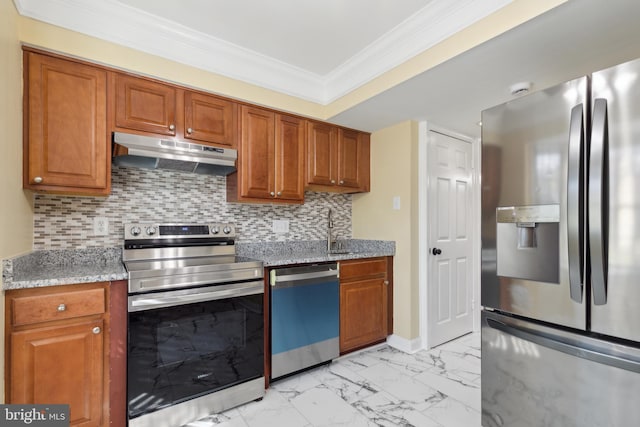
305, 312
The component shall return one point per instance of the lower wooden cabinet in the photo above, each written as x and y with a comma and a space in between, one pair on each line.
365, 302
55, 349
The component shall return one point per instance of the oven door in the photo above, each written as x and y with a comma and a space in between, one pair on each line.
189, 343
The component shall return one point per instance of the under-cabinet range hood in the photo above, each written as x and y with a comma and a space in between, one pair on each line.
156, 153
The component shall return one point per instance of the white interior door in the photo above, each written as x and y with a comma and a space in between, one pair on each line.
450, 238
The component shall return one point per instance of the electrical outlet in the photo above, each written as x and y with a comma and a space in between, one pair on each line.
100, 226
280, 226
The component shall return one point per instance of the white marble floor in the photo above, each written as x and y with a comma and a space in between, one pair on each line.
380, 386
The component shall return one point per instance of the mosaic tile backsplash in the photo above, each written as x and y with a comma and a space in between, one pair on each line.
65, 222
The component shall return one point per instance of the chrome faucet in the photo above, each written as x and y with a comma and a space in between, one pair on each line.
329, 227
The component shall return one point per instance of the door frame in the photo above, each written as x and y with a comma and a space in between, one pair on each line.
424, 180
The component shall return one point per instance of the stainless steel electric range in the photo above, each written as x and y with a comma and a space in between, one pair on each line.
195, 323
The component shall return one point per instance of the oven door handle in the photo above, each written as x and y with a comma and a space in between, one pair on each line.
189, 296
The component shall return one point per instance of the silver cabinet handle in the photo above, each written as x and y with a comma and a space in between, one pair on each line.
172, 127
341, 181
189, 131
272, 194
96, 330
62, 307
333, 181
279, 193
37, 179
598, 188
386, 282
575, 197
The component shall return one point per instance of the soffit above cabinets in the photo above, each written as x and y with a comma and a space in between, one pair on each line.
317, 50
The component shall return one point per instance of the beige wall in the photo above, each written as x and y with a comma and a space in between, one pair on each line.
394, 173
16, 213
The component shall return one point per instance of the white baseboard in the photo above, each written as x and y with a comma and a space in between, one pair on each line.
403, 344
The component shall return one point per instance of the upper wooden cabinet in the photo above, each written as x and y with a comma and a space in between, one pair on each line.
322, 154
337, 159
148, 106
270, 158
71, 109
66, 144
209, 119
353, 159
145, 105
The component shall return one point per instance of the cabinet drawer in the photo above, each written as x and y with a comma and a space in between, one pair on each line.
370, 267
55, 306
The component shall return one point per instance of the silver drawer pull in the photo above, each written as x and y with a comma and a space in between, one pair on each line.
96, 330
62, 307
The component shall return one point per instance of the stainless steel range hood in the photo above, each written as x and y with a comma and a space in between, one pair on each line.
155, 153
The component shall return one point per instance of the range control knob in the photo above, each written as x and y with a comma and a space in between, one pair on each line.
135, 230
151, 230
226, 230
215, 229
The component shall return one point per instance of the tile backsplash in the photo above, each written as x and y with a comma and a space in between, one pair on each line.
64, 222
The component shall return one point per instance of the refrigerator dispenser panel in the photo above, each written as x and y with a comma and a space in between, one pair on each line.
527, 242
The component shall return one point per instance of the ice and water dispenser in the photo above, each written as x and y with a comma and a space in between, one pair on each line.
528, 242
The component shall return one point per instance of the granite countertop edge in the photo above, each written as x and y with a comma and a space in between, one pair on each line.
55, 267
74, 266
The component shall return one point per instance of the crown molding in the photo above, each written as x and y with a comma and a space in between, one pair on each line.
429, 26
118, 23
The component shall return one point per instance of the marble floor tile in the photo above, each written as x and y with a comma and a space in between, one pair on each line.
379, 386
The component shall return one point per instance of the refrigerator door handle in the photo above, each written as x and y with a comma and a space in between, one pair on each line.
575, 196
599, 201
598, 354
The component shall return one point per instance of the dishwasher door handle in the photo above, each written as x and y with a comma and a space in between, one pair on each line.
302, 276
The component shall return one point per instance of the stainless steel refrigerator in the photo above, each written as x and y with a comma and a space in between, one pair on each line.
561, 255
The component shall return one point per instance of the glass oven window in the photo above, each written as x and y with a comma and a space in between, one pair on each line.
178, 353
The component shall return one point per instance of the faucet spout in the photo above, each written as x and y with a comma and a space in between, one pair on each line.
329, 227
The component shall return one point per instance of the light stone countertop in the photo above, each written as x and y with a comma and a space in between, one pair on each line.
63, 267
274, 254
68, 266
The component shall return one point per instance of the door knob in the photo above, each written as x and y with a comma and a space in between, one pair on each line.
436, 251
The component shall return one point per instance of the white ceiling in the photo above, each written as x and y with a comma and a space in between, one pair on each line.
572, 40
320, 50
315, 36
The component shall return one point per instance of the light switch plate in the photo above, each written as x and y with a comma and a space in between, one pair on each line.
280, 226
396, 203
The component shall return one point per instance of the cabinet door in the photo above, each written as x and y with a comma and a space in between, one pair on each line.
289, 157
363, 313
209, 119
66, 143
349, 158
60, 365
256, 153
144, 105
321, 154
